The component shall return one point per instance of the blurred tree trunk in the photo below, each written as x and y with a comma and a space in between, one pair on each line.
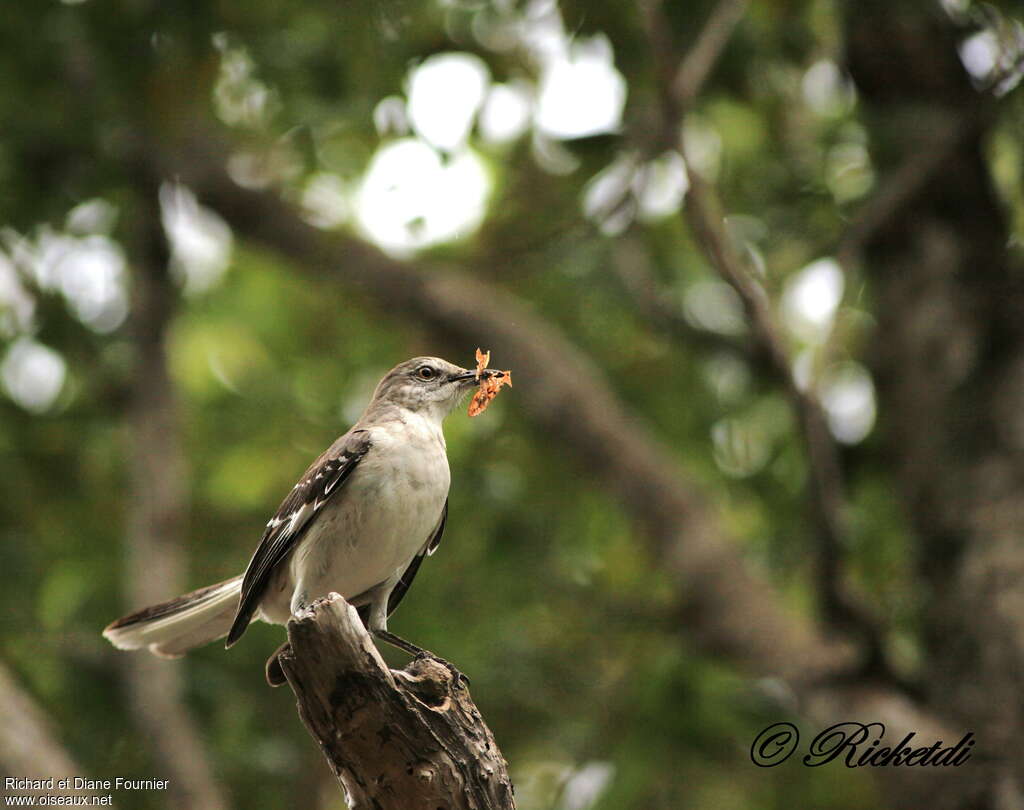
29, 748
949, 367
157, 510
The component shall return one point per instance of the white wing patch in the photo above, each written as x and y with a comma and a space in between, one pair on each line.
336, 475
334, 471
297, 519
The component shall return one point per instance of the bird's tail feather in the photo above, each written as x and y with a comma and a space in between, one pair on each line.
172, 628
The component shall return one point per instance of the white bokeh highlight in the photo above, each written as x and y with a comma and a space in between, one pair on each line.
848, 397
200, 240
607, 198
660, 186
581, 93
552, 156
714, 306
17, 305
390, 116
240, 99
703, 146
811, 298
826, 90
627, 189
506, 113
741, 447
411, 198
92, 216
32, 374
92, 279
325, 201
979, 53
444, 94
88, 271
586, 786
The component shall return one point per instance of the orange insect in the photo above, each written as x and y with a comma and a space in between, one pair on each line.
489, 386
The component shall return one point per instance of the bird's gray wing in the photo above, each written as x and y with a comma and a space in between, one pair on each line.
410, 572
319, 483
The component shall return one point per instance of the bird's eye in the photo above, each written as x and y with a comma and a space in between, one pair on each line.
426, 373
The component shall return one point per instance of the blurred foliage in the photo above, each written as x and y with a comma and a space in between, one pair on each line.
544, 592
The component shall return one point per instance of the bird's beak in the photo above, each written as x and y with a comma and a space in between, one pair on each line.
470, 376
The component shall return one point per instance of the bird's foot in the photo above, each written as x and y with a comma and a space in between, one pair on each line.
274, 670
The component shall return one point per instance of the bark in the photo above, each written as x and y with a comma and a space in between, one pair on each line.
157, 511
397, 740
949, 365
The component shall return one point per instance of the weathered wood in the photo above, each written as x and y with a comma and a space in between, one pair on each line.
407, 739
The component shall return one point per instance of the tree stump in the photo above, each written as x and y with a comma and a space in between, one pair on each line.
407, 739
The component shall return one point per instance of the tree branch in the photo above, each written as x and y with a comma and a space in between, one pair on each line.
396, 740
705, 218
630, 263
679, 83
826, 496
701, 59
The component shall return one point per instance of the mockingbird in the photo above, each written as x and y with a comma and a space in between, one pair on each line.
359, 522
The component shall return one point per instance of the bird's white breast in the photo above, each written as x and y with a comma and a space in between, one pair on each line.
382, 516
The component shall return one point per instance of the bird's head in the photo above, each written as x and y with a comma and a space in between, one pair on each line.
427, 385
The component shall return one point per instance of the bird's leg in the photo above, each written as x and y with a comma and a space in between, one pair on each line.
401, 643
419, 652
377, 624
